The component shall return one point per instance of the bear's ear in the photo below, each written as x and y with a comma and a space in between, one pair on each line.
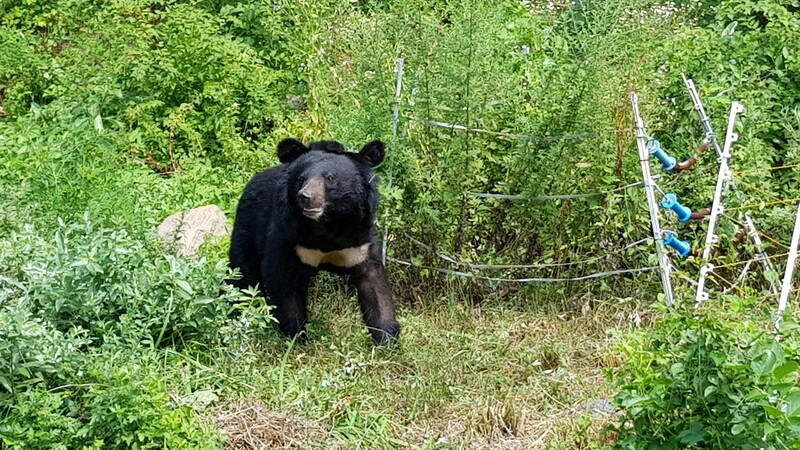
290, 149
374, 153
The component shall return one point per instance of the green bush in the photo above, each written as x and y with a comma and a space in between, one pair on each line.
130, 71
115, 286
135, 109
166, 77
110, 406
708, 378
76, 311
32, 351
21, 73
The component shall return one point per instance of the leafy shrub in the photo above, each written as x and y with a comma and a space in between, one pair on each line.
109, 407
37, 419
175, 83
21, 73
178, 106
32, 351
165, 75
31, 14
75, 310
741, 54
56, 392
115, 286
707, 378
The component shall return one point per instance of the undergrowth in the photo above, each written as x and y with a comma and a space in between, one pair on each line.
117, 113
708, 378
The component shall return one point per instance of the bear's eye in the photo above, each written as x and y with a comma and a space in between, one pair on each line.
330, 178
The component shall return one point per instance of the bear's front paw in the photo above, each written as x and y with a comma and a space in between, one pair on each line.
385, 335
291, 328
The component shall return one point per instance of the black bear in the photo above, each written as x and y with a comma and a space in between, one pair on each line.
314, 211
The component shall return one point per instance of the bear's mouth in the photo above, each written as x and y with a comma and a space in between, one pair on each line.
313, 213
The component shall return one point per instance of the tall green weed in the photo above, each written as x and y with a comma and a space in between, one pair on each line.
706, 378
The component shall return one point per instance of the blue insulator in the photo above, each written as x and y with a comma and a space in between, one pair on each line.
654, 147
670, 201
682, 247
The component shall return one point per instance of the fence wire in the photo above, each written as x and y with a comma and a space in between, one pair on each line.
453, 260
470, 275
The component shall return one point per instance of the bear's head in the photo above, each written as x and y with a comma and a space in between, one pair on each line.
327, 183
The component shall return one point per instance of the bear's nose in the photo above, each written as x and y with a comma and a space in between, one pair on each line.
304, 197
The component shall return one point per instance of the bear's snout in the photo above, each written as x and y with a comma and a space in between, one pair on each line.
311, 198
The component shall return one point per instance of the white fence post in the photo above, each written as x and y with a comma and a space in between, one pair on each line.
652, 205
787, 276
712, 139
725, 175
395, 121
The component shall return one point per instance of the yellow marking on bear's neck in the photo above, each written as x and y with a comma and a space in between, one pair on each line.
346, 257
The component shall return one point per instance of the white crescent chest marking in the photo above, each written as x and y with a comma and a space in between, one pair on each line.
346, 257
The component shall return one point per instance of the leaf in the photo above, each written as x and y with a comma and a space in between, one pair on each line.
764, 367
204, 300
788, 325
4, 382
785, 369
59, 240
755, 394
769, 429
793, 405
93, 267
184, 286
98, 123
692, 435
783, 388
730, 29
198, 400
773, 412
719, 357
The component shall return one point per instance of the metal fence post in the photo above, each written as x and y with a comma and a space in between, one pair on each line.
762, 256
723, 178
652, 205
393, 147
787, 276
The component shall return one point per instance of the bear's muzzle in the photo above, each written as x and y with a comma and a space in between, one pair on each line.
311, 198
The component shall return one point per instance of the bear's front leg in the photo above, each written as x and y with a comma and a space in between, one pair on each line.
377, 305
287, 288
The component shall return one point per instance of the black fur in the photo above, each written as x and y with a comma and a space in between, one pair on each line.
270, 223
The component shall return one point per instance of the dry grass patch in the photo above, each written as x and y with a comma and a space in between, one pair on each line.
249, 425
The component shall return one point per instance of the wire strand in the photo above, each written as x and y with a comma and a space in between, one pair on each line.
522, 137
453, 260
730, 285
769, 238
751, 260
542, 198
592, 276
753, 206
763, 192
767, 169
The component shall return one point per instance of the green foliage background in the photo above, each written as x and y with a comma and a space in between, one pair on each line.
117, 113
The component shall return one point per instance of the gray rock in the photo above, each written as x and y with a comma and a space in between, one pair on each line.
600, 406
186, 231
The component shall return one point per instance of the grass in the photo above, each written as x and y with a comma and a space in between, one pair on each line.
475, 368
478, 366
463, 376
